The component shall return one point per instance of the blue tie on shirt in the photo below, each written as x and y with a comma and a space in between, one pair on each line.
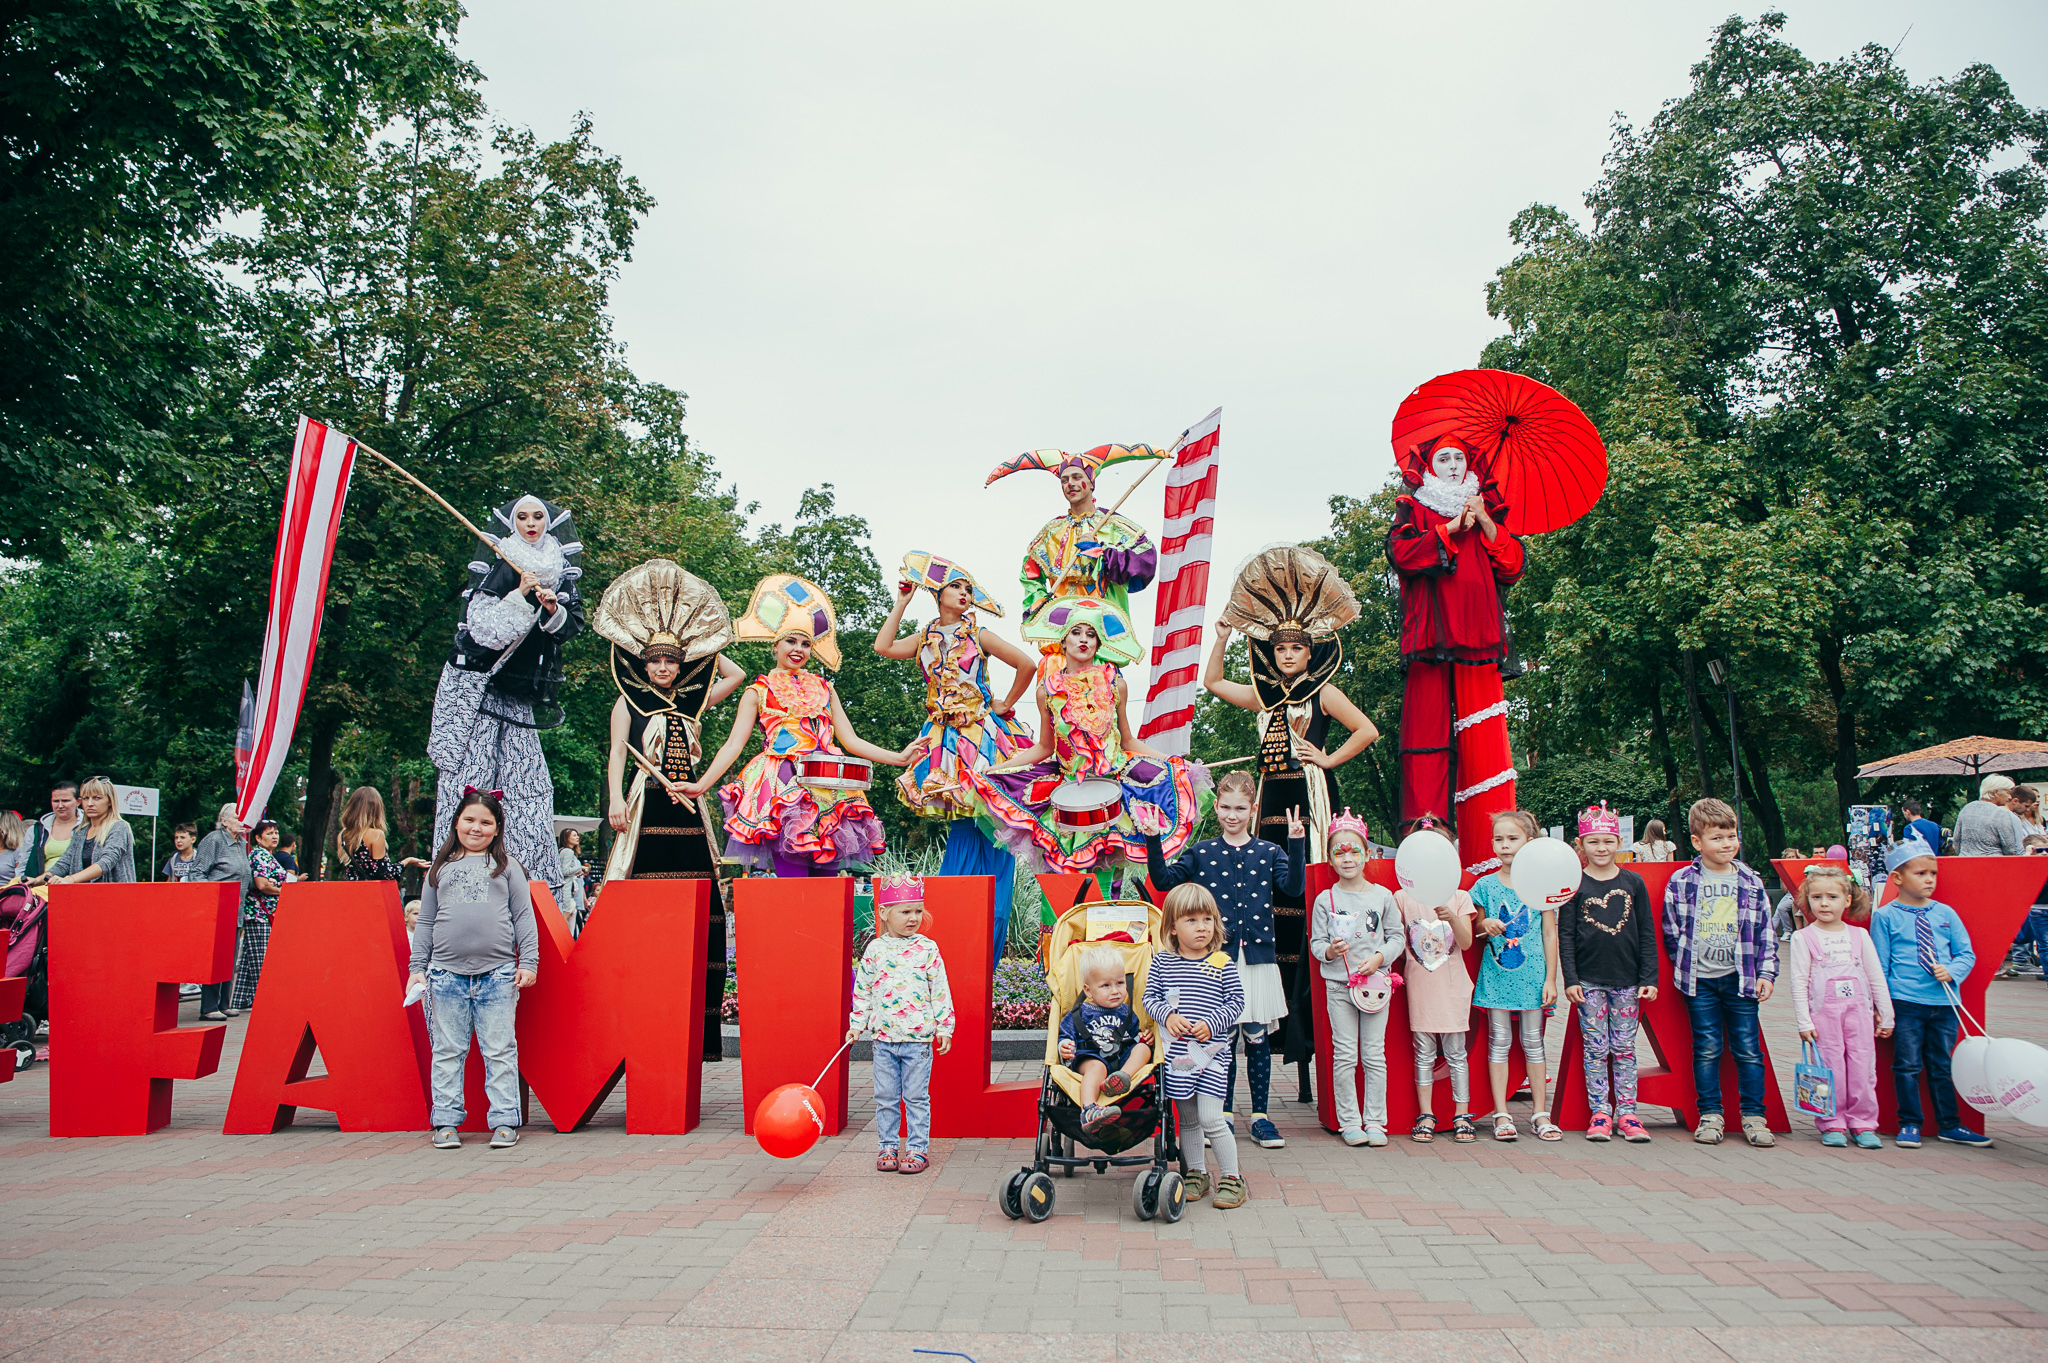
1923, 929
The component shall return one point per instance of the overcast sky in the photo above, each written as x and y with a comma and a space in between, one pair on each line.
899, 243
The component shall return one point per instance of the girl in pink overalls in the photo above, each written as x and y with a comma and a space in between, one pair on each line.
1840, 1001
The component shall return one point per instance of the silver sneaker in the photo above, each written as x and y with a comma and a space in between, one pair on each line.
447, 1138
504, 1138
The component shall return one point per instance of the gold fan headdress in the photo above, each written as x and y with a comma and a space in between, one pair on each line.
1289, 594
661, 609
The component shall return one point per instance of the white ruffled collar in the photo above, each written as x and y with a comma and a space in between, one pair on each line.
544, 560
1444, 497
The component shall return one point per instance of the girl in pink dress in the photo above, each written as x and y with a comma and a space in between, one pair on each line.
1840, 1001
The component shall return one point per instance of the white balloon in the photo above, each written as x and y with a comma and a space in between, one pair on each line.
1426, 864
1973, 1085
2018, 1071
1546, 872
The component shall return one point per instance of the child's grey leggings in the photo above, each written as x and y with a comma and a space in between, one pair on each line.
1453, 1047
1500, 1023
1202, 1115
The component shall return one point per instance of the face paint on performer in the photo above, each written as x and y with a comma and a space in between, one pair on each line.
530, 519
1079, 644
1077, 485
793, 651
1290, 657
1448, 463
663, 671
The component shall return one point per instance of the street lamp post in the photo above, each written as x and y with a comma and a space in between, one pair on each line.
1717, 668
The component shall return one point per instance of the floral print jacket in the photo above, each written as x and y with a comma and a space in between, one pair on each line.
900, 992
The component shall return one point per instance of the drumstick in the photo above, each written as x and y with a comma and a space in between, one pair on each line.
651, 770
1230, 762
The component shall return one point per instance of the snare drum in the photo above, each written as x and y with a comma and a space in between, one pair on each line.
835, 771
1086, 806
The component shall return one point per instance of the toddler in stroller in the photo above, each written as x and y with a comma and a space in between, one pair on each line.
1099, 1099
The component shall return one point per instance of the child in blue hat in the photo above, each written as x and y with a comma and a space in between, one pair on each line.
1925, 951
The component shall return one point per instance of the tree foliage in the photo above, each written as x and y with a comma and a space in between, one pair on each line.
1809, 316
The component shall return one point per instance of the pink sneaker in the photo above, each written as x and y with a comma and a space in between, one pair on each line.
1632, 1130
1601, 1128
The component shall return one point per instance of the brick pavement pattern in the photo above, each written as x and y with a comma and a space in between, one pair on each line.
312, 1244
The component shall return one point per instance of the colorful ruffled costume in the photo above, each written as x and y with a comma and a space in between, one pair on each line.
768, 813
1016, 806
961, 733
1057, 564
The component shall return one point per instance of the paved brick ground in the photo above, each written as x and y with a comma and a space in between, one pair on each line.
318, 1245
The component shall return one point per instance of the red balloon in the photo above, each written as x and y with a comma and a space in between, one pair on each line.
789, 1120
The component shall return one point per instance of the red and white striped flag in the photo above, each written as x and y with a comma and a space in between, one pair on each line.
313, 498
1182, 594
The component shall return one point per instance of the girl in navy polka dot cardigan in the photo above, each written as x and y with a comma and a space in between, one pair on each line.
1242, 872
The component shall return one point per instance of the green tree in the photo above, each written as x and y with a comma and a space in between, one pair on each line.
127, 129
1810, 318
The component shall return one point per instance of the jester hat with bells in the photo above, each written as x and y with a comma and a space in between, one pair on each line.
659, 610
1057, 462
784, 604
1288, 594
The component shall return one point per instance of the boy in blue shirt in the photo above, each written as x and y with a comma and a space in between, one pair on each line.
1923, 947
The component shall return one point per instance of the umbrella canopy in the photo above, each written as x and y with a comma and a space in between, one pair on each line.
1962, 757
1526, 438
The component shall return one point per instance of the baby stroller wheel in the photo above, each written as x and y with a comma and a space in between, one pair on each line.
1037, 1196
1159, 1193
24, 1055
1013, 1194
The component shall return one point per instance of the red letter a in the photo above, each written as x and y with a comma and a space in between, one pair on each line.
333, 980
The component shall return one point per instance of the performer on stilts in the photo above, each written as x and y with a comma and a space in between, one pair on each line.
1454, 555
776, 818
965, 729
1290, 602
499, 687
666, 627
1083, 552
1066, 803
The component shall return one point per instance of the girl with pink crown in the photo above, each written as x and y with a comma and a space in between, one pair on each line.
901, 996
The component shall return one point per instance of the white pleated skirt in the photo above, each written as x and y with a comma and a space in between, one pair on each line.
1265, 997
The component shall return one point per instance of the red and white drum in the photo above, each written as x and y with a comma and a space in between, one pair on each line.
835, 771
1086, 806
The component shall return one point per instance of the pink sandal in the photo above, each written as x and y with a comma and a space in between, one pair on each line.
913, 1164
886, 1162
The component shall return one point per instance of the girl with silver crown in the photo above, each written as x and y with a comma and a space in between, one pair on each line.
500, 685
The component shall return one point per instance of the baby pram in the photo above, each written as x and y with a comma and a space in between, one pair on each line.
1144, 1122
25, 917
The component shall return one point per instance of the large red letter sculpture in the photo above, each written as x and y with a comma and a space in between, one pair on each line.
795, 943
624, 1001
1991, 895
115, 1040
333, 981
964, 1103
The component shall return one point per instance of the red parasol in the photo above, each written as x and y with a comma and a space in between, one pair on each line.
1530, 440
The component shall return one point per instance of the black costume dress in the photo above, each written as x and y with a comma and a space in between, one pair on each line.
672, 841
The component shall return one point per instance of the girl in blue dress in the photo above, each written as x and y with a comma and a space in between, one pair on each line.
1518, 975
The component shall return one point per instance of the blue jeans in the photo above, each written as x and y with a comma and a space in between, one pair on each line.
903, 1076
1925, 1036
483, 1006
2035, 930
1722, 1019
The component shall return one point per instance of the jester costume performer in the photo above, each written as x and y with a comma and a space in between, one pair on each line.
773, 820
499, 686
1450, 545
1084, 553
1087, 738
965, 729
666, 627
1290, 602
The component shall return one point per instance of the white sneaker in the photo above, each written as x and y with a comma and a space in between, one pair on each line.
1375, 1136
1353, 1136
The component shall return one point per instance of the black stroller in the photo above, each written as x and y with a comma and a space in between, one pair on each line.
1144, 1118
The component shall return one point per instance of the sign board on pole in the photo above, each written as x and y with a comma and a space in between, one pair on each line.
131, 801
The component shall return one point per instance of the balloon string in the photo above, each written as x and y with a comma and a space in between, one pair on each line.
1955, 1001
830, 1063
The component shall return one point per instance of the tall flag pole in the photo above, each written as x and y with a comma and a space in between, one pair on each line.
322, 459
1181, 597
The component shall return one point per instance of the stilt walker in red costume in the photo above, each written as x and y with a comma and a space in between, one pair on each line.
1488, 457
1454, 555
